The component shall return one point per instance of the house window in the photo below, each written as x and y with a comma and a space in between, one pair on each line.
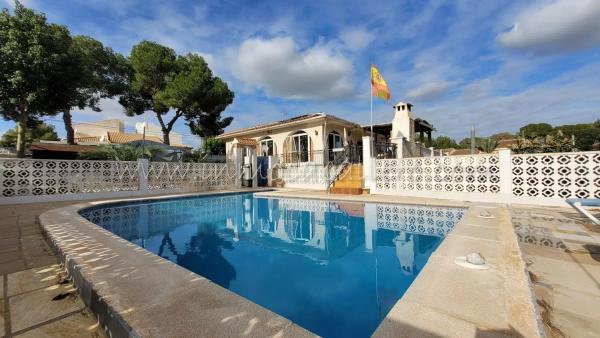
267, 147
297, 147
334, 140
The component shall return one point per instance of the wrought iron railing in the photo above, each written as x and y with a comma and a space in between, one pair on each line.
384, 150
349, 154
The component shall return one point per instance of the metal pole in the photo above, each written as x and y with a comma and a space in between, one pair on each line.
144, 139
472, 140
371, 95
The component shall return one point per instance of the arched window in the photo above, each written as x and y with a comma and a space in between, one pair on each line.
297, 147
267, 147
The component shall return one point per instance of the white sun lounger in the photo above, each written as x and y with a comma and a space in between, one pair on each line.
580, 205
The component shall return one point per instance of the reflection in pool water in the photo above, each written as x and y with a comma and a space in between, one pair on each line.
335, 268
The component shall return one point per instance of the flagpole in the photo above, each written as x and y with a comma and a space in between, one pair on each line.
371, 95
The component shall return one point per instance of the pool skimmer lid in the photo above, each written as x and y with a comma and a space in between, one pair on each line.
485, 214
472, 261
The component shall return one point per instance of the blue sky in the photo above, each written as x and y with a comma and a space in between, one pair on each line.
493, 64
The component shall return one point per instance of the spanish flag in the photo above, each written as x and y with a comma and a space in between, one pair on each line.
378, 86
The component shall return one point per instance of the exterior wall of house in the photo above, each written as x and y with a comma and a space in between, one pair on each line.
98, 128
155, 130
316, 131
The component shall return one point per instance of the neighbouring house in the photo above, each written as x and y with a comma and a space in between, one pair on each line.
507, 143
458, 152
112, 132
155, 131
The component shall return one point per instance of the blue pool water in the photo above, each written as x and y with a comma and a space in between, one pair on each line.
335, 268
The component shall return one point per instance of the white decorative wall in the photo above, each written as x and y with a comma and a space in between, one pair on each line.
526, 178
33, 180
26, 177
449, 173
308, 176
165, 175
562, 175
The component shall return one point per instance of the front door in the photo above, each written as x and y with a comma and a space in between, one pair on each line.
262, 162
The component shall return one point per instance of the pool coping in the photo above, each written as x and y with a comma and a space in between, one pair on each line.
131, 289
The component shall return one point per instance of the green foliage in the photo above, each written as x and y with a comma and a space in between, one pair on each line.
466, 143
503, 136
97, 73
163, 81
488, 145
196, 156
534, 130
214, 146
122, 152
35, 60
36, 131
443, 142
586, 135
555, 143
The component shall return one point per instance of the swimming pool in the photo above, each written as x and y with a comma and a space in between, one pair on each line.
335, 268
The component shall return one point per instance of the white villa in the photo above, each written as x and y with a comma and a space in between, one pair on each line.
320, 138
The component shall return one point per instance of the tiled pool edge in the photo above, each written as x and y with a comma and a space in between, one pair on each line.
129, 301
420, 312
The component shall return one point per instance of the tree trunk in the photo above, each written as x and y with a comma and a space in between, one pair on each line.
69, 127
166, 136
21, 129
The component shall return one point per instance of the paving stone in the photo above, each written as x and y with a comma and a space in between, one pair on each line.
35, 307
9, 233
567, 274
39, 261
9, 242
37, 251
7, 257
81, 324
476, 232
33, 279
1, 317
9, 248
473, 297
12, 266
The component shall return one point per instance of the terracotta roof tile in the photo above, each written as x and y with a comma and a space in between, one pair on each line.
62, 147
120, 138
247, 142
272, 124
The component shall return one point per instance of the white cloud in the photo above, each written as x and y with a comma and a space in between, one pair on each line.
572, 97
282, 70
357, 38
563, 25
431, 90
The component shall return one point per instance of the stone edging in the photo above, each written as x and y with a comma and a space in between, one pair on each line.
136, 293
131, 289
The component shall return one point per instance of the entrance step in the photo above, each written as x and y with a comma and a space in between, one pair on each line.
350, 181
347, 191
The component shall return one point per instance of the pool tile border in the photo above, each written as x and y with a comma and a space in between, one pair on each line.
106, 268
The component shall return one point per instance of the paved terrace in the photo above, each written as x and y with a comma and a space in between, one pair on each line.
35, 298
31, 279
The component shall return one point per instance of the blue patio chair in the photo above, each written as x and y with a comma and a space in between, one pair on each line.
580, 205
